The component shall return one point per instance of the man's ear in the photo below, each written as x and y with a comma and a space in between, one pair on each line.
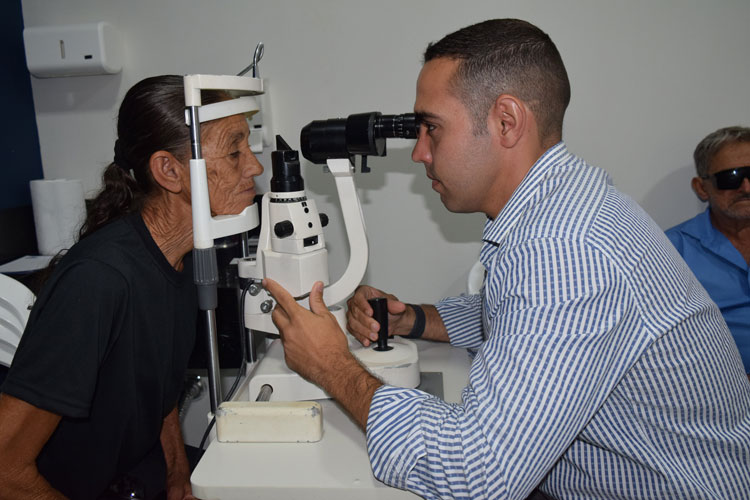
699, 188
509, 118
167, 171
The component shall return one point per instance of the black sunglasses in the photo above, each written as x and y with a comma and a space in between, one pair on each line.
729, 179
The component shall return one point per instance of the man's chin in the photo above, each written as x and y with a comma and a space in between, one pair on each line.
455, 207
740, 211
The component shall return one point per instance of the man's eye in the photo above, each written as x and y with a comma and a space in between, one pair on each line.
235, 155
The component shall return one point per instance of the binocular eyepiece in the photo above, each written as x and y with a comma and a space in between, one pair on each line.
359, 134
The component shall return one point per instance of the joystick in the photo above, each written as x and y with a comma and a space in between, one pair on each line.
380, 314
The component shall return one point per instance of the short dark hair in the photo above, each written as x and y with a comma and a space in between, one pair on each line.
711, 144
507, 56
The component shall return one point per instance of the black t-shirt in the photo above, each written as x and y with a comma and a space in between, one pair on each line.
106, 347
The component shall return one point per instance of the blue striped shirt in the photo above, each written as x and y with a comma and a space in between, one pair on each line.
603, 370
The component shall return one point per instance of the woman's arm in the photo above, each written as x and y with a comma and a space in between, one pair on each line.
24, 430
178, 469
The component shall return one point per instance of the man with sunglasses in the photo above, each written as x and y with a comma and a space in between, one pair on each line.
716, 243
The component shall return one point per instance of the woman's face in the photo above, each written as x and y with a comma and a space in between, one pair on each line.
230, 165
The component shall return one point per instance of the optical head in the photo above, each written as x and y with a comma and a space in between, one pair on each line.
359, 134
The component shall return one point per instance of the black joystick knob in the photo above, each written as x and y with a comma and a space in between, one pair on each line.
323, 220
283, 229
380, 314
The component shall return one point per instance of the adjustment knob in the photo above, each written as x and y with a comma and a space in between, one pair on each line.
323, 220
283, 229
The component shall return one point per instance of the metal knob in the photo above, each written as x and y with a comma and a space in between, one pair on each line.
283, 229
266, 306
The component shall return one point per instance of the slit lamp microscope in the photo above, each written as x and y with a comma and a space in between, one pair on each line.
291, 247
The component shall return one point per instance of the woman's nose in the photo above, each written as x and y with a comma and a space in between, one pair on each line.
252, 166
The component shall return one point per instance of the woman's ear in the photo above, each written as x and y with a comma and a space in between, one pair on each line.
167, 171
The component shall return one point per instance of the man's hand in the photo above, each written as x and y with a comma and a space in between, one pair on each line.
316, 348
313, 341
359, 320
401, 318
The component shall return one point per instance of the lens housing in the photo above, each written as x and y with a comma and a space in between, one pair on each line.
358, 134
286, 172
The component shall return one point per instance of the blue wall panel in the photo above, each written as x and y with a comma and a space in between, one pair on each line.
20, 160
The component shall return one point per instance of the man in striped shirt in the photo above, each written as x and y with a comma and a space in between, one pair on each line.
602, 368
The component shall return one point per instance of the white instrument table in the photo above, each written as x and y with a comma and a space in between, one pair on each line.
336, 467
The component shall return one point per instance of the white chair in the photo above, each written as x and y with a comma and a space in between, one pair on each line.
15, 304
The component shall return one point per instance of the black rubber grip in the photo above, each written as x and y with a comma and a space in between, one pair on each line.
206, 276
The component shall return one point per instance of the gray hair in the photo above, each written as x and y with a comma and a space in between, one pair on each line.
713, 142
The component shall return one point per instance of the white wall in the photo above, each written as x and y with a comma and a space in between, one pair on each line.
649, 80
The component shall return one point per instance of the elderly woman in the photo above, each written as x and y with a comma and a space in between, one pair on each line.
96, 377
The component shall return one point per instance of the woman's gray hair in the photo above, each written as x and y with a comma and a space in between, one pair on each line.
713, 142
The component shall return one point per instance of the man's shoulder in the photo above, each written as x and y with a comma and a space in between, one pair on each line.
564, 202
690, 226
695, 228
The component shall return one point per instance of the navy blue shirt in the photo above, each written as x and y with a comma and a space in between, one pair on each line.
106, 348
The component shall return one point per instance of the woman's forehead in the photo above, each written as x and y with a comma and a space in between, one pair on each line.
226, 131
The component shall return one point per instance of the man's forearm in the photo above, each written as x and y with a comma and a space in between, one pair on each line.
434, 327
353, 387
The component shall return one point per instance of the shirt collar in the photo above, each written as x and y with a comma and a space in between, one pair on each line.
714, 240
525, 194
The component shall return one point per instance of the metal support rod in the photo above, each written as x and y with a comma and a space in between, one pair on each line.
212, 342
195, 132
265, 393
252, 356
245, 245
212, 354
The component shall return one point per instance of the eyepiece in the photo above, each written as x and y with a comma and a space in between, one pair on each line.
359, 134
286, 173
401, 126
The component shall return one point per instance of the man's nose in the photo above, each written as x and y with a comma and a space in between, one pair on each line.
421, 152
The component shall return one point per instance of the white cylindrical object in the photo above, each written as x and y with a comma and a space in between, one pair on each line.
202, 237
59, 211
398, 367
